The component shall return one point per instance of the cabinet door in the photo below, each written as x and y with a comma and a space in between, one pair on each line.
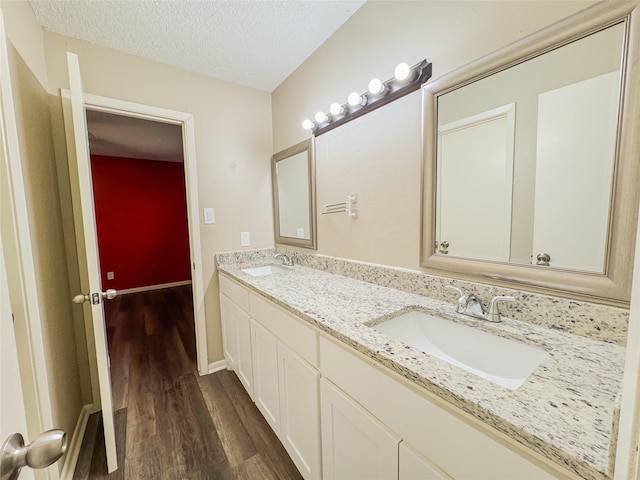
245, 364
413, 466
265, 374
355, 446
229, 332
299, 412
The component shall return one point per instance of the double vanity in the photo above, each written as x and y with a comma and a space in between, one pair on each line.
361, 380
529, 187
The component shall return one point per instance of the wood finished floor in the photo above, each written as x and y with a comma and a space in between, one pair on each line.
171, 423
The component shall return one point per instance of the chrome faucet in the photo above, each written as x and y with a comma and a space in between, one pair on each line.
286, 259
471, 305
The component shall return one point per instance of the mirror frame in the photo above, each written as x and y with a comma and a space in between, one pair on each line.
613, 287
305, 146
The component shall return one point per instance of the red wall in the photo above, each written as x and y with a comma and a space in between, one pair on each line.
141, 217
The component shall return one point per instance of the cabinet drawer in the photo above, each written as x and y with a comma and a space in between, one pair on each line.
298, 337
435, 432
236, 292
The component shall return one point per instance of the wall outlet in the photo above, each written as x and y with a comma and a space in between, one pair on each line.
300, 233
209, 216
245, 239
110, 275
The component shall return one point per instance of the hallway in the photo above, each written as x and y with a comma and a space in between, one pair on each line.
170, 422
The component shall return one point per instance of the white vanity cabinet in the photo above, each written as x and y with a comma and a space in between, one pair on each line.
413, 466
285, 384
371, 423
236, 333
265, 369
354, 444
447, 439
300, 412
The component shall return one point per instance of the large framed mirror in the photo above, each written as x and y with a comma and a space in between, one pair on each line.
531, 170
294, 196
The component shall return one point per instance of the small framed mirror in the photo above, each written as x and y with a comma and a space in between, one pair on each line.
531, 175
294, 196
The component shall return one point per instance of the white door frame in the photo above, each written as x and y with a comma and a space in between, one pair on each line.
185, 120
21, 272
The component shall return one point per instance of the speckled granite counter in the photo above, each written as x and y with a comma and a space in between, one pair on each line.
566, 410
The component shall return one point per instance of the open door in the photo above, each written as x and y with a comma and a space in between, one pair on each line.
87, 246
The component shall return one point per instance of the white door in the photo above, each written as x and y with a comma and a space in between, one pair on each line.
265, 374
475, 185
413, 466
83, 210
245, 355
355, 446
229, 332
574, 166
300, 412
12, 413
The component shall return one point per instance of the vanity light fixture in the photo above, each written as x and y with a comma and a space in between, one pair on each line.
404, 73
336, 109
307, 124
376, 87
321, 117
406, 80
356, 100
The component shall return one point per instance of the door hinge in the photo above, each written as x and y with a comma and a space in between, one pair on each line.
95, 298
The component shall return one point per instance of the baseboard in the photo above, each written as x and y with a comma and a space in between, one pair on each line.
73, 450
153, 287
217, 366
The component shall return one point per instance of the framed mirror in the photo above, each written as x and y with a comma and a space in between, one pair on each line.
294, 196
531, 171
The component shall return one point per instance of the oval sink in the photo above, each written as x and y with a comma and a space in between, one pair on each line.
502, 361
263, 270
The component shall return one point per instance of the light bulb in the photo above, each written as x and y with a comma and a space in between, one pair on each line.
307, 124
355, 99
321, 117
336, 109
376, 86
402, 71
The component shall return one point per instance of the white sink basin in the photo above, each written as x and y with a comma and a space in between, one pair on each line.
503, 361
264, 270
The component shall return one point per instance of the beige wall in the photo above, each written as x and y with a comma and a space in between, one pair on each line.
378, 156
233, 144
64, 362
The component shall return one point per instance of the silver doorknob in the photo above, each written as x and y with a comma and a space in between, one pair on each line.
109, 294
95, 298
42, 452
543, 259
80, 298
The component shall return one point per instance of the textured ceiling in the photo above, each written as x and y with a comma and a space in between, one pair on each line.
256, 43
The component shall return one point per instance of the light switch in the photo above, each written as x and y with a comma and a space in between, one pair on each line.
300, 233
245, 239
209, 216
110, 275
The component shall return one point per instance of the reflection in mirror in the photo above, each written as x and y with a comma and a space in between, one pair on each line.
531, 174
525, 158
294, 195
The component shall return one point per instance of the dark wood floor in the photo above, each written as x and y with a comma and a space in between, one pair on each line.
170, 422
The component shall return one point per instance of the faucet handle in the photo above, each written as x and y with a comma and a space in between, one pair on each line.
493, 314
462, 298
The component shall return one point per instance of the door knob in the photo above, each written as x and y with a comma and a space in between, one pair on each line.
543, 259
42, 452
109, 294
95, 297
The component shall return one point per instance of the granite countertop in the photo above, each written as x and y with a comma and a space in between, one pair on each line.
566, 410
